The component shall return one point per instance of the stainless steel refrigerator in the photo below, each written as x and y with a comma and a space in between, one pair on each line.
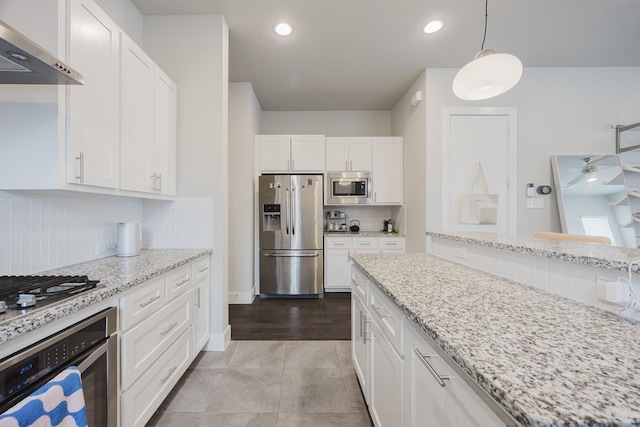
291, 240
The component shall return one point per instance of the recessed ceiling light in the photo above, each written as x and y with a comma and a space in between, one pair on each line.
433, 27
283, 29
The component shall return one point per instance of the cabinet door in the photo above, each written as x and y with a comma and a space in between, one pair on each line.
435, 395
201, 315
360, 343
93, 129
136, 117
360, 156
337, 269
385, 406
274, 152
164, 133
337, 154
387, 171
307, 153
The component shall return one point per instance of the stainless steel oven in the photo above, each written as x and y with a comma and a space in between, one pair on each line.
90, 345
348, 188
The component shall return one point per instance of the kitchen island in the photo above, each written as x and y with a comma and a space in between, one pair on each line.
544, 359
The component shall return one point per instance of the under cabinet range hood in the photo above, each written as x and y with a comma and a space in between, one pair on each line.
24, 62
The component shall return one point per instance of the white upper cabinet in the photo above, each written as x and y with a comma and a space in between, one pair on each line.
93, 140
136, 118
386, 171
290, 153
164, 133
348, 154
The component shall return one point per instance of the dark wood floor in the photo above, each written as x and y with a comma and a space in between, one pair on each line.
293, 318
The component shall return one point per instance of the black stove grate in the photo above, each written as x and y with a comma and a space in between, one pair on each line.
43, 287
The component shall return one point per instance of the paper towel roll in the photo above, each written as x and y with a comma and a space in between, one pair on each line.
129, 239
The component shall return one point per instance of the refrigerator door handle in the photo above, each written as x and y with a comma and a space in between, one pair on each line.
294, 208
288, 210
267, 254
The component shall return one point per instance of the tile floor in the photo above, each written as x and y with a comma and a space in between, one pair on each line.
268, 384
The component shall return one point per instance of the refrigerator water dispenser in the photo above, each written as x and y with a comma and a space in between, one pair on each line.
271, 217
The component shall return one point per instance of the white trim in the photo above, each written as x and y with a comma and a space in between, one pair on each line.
241, 297
218, 342
512, 171
338, 289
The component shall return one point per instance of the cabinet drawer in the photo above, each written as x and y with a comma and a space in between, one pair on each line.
365, 243
337, 243
142, 345
391, 244
387, 316
178, 283
200, 269
141, 401
359, 283
141, 303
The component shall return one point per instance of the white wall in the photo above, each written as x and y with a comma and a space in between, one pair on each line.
244, 123
560, 111
410, 123
328, 123
193, 51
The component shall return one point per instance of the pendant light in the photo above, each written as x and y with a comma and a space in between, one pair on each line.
489, 74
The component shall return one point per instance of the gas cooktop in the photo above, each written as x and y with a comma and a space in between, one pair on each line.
20, 294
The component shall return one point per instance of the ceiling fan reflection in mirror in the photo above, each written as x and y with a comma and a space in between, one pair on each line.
589, 171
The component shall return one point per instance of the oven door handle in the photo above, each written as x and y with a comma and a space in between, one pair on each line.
93, 356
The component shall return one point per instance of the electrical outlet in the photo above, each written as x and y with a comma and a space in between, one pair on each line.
460, 252
612, 290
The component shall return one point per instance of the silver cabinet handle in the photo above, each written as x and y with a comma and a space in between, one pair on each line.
159, 185
291, 255
365, 332
338, 244
149, 301
153, 182
426, 363
378, 311
80, 175
171, 326
177, 285
198, 299
166, 377
203, 269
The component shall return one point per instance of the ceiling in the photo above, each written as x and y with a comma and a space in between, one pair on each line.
364, 54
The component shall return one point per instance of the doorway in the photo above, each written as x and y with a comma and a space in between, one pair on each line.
488, 136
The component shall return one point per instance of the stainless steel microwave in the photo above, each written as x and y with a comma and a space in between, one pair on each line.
348, 188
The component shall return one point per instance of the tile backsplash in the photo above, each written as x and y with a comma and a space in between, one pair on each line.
41, 231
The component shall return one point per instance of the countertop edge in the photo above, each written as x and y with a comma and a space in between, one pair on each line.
33, 320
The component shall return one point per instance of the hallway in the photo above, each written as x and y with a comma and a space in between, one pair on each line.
268, 384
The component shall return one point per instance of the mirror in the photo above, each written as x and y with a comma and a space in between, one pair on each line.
596, 197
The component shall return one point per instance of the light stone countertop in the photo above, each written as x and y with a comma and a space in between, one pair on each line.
116, 274
548, 360
601, 256
362, 234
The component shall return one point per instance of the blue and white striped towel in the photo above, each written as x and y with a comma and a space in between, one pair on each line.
58, 403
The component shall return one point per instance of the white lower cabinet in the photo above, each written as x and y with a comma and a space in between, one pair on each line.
164, 323
360, 353
337, 268
436, 395
385, 405
143, 398
405, 381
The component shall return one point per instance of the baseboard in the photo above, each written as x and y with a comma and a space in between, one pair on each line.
218, 342
241, 297
345, 289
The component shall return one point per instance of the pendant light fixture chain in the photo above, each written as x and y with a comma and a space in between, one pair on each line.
486, 19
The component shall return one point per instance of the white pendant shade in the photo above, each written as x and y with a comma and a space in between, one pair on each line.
489, 74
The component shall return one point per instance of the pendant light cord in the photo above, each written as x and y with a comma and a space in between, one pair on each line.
486, 18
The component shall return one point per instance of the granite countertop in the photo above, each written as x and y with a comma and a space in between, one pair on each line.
116, 274
548, 360
602, 256
362, 234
